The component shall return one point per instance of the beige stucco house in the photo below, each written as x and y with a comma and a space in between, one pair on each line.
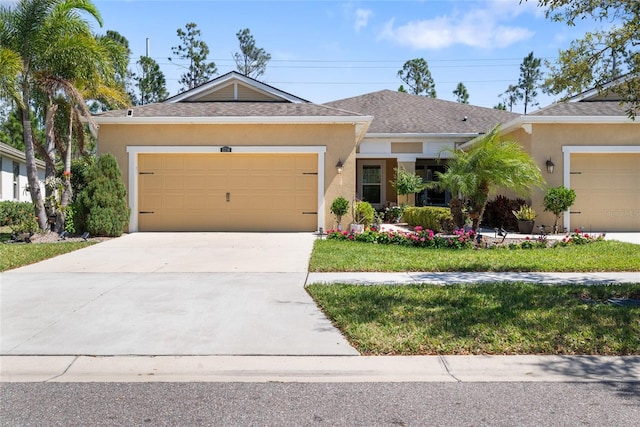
595, 150
236, 154
411, 131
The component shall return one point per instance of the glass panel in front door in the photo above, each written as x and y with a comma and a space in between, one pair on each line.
372, 183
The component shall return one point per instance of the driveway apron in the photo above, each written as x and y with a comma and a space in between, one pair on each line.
169, 294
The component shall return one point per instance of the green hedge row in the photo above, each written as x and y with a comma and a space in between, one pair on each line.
14, 213
433, 218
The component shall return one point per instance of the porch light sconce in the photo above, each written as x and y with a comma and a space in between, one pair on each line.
339, 167
550, 166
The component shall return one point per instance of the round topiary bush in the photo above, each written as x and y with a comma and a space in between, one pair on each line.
339, 208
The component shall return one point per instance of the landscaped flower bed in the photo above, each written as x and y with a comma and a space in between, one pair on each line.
425, 238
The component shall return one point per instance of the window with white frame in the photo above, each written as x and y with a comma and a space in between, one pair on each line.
16, 180
371, 178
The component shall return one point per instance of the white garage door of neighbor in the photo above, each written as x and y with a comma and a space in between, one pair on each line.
227, 192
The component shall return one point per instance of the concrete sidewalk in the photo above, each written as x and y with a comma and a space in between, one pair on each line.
320, 369
448, 278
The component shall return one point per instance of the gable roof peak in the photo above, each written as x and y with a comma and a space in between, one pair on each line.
233, 79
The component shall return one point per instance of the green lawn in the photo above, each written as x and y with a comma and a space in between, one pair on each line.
14, 255
333, 255
503, 318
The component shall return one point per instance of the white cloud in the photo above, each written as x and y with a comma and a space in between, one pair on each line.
362, 18
484, 27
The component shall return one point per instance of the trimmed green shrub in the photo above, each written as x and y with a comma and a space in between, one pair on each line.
363, 213
80, 169
339, 208
499, 213
14, 213
434, 218
558, 200
102, 205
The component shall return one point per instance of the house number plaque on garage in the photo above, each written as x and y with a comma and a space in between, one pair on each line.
225, 149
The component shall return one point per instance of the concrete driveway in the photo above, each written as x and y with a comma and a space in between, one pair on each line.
169, 294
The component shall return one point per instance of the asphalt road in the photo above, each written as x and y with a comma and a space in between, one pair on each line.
327, 404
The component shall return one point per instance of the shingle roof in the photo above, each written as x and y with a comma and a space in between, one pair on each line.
398, 112
584, 108
230, 109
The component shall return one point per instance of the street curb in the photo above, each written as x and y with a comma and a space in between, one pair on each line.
320, 369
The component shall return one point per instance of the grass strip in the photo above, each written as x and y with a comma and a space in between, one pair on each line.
332, 255
501, 318
14, 255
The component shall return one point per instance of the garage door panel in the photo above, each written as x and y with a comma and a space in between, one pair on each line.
607, 190
267, 192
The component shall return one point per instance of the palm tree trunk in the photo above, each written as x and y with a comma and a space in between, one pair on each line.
455, 205
30, 159
67, 192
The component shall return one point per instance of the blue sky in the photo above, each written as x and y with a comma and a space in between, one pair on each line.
326, 50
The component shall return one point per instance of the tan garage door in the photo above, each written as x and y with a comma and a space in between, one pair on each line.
227, 192
607, 190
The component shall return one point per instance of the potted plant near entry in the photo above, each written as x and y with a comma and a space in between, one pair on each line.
363, 216
558, 200
526, 217
339, 208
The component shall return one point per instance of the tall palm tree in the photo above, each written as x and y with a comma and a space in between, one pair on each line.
62, 61
490, 164
34, 30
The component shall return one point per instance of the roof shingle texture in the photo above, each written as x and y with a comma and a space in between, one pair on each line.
231, 109
584, 108
398, 112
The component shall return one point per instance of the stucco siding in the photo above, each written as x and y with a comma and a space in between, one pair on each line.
339, 140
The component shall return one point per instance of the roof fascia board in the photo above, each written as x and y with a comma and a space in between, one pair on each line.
598, 91
421, 135
519, 122
234, 120
15, 154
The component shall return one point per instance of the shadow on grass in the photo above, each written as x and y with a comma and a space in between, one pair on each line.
503, 318
528, 277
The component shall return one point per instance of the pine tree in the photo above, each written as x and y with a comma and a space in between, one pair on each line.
416, 75
461, 94
251, 61
530, 76
151, 83
195, 51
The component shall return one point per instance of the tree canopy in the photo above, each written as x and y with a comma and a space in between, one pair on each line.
530, 76
600, 56
251, 60
196, 51
461, 93
416, 75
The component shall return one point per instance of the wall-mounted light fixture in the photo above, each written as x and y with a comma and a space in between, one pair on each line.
339, 167
550, 166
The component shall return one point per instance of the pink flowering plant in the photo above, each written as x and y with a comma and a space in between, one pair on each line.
577, 237
419, 237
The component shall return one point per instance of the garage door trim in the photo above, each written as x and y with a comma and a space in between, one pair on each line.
133, 152
589, 149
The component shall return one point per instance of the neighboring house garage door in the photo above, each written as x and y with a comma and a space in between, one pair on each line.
227, 192
607, 190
